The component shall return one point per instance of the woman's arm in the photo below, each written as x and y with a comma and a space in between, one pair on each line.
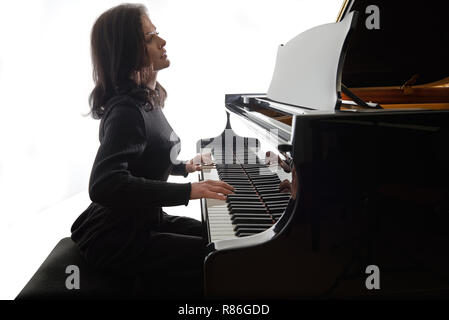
184, 168
179, 169
111, 182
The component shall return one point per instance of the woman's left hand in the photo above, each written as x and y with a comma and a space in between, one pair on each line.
196, 163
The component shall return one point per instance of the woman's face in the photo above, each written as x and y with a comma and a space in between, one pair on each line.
155, 45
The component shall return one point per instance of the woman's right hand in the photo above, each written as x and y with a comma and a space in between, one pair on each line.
290, 187
272, 158
210, 189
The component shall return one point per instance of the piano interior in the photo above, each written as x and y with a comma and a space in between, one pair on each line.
372, 175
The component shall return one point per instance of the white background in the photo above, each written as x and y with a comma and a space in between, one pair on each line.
47, 146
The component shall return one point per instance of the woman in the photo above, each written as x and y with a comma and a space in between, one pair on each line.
124, 229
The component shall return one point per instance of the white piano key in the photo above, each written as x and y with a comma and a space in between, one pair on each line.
220, 224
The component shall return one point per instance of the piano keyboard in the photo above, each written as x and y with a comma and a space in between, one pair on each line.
255, 205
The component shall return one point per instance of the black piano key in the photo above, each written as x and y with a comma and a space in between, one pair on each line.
237, 176
273, 187
248, 231
268, 187
228, 166
264, 184
240, 181
259, 210
245, 234
231, 172
251, 204
238, 184
243, 191
276, 205
274, 202
264, 192
233, 203
277, 197
280, 202
274, 211
262, 173
274, 194
273, 178
239, 200
264, 187
264, 178
248, 215
277, 201
241, 197
279, 209
245, 205
236, 210
252, 221
252, 225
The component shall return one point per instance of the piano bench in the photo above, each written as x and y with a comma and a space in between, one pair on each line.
49, 281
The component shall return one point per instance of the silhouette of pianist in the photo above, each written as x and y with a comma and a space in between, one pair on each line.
124, 229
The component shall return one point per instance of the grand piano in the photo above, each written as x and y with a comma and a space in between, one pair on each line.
358, 113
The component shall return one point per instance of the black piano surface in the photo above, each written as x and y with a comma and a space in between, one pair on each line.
373, 190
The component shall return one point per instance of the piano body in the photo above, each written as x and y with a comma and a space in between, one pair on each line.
363, 116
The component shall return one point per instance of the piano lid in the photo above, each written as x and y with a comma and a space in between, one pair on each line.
308, 67
412, 39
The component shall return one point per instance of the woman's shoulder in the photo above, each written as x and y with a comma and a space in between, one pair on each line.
122, 104
123, 112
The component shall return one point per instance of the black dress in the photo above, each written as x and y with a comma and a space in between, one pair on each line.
124, 229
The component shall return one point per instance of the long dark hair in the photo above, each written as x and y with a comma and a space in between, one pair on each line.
118, 52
